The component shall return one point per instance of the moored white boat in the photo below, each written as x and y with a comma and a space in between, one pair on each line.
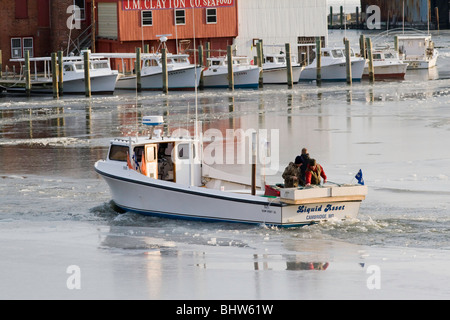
181, 73
386, 65
165, 177
275, 69
216, 75
333, 66
418, 51
103, 79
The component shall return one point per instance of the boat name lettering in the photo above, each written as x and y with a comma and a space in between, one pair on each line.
321, 208
241, 73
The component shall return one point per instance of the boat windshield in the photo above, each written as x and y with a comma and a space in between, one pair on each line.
377, 56
337, 53
389, 55
100, 65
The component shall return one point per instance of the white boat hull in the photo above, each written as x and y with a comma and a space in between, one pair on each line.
334, 72
279, 75
99, 84
135, 192
387, 71
178, 79
421, 64
243, 78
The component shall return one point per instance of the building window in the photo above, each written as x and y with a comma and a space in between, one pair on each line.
82, 5
20, 45
180, 17
211, 15
147, 18
16, 48
28, 46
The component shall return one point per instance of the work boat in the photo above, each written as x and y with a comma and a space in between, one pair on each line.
386, 65
216, 74
418, 51
333, 66
181, 73
102, 78
166, 177
275, 69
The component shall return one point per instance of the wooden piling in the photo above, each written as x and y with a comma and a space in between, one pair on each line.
1, 64
87, 74
331, 17
137, 68
259, 62
27, 73
342, 17
254, 152
289, 65
396, 47
348, 61
60, 73
230, 68
208, 53
165, 75
370, 56
319, 60
55, 69
201, 64
362, 46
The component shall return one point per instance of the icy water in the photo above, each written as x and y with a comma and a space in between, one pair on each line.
56, 216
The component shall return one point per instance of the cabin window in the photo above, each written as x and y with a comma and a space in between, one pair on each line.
100, 65
16, 48
377, 56
337, 53
150, 63
147, 18
118, 153
150, 154
183, 151
211, 15
68, 67
180, 17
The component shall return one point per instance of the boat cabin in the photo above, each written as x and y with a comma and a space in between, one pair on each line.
169, 159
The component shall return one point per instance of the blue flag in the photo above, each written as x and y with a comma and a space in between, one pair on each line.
359, 177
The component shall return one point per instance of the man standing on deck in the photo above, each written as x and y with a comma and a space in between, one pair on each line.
291, 174
313, 173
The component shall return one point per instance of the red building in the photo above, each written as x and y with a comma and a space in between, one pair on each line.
46, 26
123, 25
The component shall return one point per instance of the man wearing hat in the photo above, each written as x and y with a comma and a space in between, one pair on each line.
291, 174
314, 172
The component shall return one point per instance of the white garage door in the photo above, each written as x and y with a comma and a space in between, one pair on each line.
107, 20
